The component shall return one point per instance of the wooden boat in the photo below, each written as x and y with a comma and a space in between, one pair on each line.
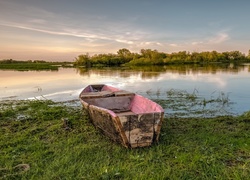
125, 117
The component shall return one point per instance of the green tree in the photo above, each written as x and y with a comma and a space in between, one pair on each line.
152, 56
124, 52
248, 56
236, 55
83, 60
125, 55
196, 57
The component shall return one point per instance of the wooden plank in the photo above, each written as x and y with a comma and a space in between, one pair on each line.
96, 94
115, 104
139, 128
106, 94
123, 93
126, 113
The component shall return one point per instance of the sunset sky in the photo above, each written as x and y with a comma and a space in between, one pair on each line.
60, 30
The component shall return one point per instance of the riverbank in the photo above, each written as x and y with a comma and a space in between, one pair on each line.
32, 65
48, 140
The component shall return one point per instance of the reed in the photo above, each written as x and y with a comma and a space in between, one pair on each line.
184, 104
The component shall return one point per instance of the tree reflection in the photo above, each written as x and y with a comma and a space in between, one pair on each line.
149, 72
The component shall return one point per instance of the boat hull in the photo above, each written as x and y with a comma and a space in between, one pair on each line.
125, 117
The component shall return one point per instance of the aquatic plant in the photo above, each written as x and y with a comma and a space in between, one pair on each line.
181, 103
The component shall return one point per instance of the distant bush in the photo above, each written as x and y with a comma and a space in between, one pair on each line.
153, 57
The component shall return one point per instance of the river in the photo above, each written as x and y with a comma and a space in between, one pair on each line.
66, 83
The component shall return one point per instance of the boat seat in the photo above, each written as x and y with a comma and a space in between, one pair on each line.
123, 93
125, 113
100, 94
118, 101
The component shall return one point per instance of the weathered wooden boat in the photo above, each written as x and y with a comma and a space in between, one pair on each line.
125, 117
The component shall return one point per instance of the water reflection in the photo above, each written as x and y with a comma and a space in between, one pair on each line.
66, 84
149, 72
208, 80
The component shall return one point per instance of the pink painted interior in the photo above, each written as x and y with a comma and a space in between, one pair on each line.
109, 88
138, 105
141, 105
104, 88
87, 89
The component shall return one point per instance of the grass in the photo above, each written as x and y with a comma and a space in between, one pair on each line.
180, 103
28, 66
33, 66
47, 140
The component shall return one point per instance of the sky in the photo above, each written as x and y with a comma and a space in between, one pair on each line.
60, 30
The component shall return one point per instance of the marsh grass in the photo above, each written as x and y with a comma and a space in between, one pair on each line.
180, 103
36, 144
29, 66
33, 66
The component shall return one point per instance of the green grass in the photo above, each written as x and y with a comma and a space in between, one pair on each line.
32, 66
47, 140
180, 103
28, 66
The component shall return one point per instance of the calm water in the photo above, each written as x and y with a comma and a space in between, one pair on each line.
67, 83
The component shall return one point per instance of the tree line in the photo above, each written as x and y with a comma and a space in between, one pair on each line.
11, 61
154, 57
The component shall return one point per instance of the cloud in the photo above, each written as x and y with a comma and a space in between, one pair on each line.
81, 35
124, 41
37, 21
74, 32
219, 38
92, 29
197, 43
20, 12
96, 30
173, 45
216, 39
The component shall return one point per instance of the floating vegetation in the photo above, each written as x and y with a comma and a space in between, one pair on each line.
184, 104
